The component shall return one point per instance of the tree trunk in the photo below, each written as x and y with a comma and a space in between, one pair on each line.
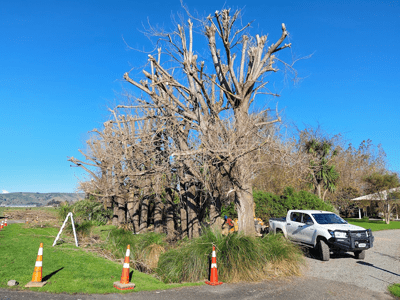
193, 222
115, 221
215, 207
184, 223
144, 213
215, 212
387, 214
121, 210
130, 205
169, 218
158, 209
318, 190
134, 211
244, 207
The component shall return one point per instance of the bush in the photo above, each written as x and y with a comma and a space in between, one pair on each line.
83, 229
271, 205
229, 210
86, 210
238, 258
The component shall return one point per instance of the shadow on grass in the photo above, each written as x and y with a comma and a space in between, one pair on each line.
130, 276
47, 277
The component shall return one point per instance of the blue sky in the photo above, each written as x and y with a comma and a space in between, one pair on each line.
62, 62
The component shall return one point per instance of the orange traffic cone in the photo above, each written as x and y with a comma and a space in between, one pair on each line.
5, 222
1, 225
214, 271
37, 272
124, 283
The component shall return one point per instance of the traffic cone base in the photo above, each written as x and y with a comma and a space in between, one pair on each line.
36, 284
214, 277
214, 283
124, 286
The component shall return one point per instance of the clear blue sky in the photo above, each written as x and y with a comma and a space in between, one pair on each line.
61, 65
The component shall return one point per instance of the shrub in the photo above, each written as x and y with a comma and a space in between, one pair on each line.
238, 258
86, 210
229, 210
271, 205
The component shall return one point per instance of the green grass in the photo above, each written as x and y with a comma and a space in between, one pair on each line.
375, 225
69, 269
394, 289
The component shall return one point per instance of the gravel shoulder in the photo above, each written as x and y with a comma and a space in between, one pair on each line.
380, 268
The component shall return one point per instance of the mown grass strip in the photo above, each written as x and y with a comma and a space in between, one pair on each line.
67, 269
375, 225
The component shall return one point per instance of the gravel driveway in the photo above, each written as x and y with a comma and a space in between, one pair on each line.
380, 268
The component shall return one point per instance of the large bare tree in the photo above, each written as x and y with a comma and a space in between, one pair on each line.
208, 97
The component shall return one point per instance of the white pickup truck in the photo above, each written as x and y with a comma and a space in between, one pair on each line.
323, 230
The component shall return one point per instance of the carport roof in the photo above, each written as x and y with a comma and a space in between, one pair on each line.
377, 196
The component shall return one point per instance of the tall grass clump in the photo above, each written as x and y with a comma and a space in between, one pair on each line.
145, 247
239, 258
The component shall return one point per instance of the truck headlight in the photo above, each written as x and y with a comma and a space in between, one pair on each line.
340, 234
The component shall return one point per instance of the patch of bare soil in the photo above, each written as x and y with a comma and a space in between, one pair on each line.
30, 216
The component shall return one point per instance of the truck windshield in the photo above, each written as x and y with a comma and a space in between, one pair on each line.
328, 219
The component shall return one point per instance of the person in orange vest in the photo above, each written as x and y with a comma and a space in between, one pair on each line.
229, 222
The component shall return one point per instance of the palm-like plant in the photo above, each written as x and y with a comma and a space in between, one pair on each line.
322, 175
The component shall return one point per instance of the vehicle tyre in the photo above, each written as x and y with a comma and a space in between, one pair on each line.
359, 254
324, 250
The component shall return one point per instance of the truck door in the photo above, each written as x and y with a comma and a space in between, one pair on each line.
292, 226
307, 229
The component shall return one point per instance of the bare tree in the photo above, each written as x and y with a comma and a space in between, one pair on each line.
212, 104
122, 160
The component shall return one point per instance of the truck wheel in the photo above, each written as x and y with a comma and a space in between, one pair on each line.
359, 254
324, 250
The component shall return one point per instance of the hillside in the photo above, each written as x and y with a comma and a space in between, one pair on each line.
38, 199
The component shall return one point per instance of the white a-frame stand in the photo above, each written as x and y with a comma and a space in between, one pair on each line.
62, 227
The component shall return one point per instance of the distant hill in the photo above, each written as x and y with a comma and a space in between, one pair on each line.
38, 199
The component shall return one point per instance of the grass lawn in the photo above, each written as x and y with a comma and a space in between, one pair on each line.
394, 289
67, 269
375, 225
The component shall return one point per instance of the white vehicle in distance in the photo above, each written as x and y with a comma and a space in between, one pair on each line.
324, 231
